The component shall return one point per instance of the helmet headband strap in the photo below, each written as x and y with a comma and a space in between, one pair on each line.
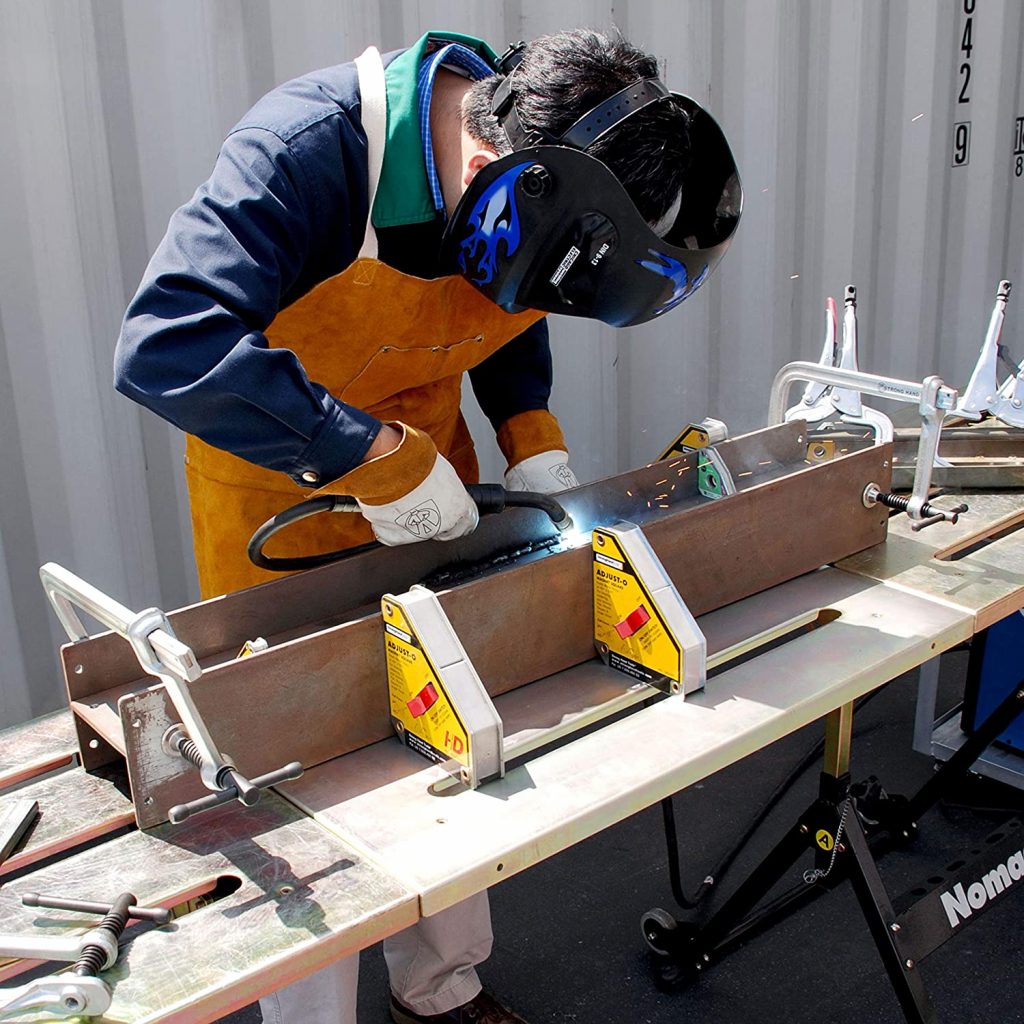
595, 123
613, 111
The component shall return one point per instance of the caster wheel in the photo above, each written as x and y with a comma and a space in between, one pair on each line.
658, 928
671, 977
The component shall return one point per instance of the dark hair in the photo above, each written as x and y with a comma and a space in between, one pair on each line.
560, 78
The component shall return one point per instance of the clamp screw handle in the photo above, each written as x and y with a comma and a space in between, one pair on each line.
180, 812
94, 958
159, 915
932, 514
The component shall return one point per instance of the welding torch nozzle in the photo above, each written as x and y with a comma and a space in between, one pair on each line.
491, 498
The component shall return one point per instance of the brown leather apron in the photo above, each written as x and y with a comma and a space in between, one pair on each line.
391, 344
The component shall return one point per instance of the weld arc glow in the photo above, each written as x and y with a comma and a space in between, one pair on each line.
575, 538
676, 272
494, 221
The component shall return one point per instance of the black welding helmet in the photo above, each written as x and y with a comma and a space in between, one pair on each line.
549, 227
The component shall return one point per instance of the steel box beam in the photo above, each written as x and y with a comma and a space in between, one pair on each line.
324, 694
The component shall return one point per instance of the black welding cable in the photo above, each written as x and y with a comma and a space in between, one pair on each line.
303, 510
489, 499
713, 880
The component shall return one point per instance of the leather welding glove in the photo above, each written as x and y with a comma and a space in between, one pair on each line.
546, 472
409, 494
534, 446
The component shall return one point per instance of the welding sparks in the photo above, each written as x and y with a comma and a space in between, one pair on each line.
793, 277
749, 472
630, 493
672, 465
658, 483
916, 117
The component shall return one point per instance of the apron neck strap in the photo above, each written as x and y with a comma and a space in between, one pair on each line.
373, 96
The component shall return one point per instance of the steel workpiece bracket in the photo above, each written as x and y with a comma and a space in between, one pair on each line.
933, 398
162, 655
326, 656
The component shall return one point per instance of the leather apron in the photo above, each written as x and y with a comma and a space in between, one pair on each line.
386, 342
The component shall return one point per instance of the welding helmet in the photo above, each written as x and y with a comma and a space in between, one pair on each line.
550, 227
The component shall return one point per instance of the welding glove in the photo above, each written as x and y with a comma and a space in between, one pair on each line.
411, 493
534, 446
546, 472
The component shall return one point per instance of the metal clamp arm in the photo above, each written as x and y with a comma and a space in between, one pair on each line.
932, 396
983, 391
163, 655
58, 995
160, 653
148, 632
63, 948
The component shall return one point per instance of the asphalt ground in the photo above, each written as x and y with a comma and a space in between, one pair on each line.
568, 945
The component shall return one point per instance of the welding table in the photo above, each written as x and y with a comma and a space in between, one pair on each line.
969, 571
378, 848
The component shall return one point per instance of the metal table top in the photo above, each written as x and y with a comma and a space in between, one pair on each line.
391, 841
74, 808
36, 747
976, 564
448, 843
303, 899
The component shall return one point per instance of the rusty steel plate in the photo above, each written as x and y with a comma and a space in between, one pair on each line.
330, 684
298, 605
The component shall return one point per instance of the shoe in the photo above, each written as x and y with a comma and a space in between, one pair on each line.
484, 1009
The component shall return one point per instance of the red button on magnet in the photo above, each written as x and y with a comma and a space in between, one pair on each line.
423, 701
632, 622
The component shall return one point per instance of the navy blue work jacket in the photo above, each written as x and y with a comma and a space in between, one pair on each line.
284, 209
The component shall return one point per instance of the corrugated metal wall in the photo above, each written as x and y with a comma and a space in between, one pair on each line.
841, 116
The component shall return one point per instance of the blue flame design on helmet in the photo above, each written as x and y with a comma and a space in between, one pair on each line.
676, 272
495, 220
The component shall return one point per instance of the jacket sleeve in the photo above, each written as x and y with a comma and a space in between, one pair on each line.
513, 387
192, 347
516, 378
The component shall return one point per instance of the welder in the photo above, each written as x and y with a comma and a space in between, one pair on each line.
369, 233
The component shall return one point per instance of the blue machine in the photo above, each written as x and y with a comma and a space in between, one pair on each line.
996, 667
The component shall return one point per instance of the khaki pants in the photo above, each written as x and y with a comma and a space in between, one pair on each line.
432, 968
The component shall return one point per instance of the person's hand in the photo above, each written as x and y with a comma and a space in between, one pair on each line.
546, 473
406, 490
439, 508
